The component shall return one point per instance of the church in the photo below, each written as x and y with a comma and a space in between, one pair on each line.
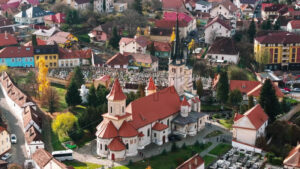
127, 129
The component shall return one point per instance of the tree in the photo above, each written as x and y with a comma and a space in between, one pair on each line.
62, 124
131, 96
152, 49
33, 40
50, 100
285, 107
72, 17
277, 25
91, 118
223, 88
73, 96
252, 31
137, 6
199, 86
104, 5
268, 100
92, 97
156, 5
78, 77
141, 91
266, 25
243, 108
250, 102
115, 38
42, 76
235, 98
101, 93
131, 20
261, 142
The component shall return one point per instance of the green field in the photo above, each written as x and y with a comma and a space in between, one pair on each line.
226, 123
81, 165
220, 149
61, 93
209, 159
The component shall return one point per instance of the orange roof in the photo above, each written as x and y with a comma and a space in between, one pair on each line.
127, 130
244, 86
185, 102
257, 116
159, 126
2, 129
192, 163
151, 85
256, 91
116, 92
116, 145
237, 116
107, 130
154, 107
293, 159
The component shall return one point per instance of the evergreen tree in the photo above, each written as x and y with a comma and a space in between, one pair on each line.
223, 88
199, 86
115, 38
137, 6
73, 96
152, 49
72, 17
104, 5
276, 25
250, 102
285, 107
235, 98
268, 100
90, 118
78, 77
92, 97
33, 40
252, 31
101, 93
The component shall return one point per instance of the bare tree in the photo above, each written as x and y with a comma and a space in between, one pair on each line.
50, 100
132, 20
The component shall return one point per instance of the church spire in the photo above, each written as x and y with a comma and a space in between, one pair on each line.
176, 52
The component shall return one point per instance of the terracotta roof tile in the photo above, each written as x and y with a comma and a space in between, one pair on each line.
7, 39
16, 51
116, 92
162, 46
116, 145
192, 163
256, 91
295, 24
32, 134
243, 86
41, 157
106, 129
223, 45
169, 24
72, 54
293, 159
185, 102
279, 37
127, 130
220, 21
118, 59
159, 127
151, 84
257, 116
237, 116
172, 16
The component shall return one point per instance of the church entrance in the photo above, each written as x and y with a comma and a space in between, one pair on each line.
113, 156
164, 139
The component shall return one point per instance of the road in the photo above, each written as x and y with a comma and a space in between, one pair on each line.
14, 125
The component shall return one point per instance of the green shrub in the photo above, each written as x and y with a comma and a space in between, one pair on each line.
174, 147
183, 146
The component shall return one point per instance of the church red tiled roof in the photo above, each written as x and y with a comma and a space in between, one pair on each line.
127, 130
185, 102
293, 159
107, 130
151, 85
159, 126
116, 145
116, 92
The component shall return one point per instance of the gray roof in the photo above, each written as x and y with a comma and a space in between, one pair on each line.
201, 2
191, 118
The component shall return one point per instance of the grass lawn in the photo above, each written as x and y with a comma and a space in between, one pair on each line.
208, 159
56, 144
213, 134
61, 93
220, 149
81, 165
226, 123
168, 160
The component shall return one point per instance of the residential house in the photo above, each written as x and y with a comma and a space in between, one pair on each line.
63, 39
120, 7
293, 26
281, 50
240, 3
216, 28
168, 24
223, 49
49, 53
5, 144
100, 7
7, 39
195, 162
162, 49
55, 20
80, 4
4, 25
32, 129
138, 44
247, 11
203, 6
256, 92
33, 15
147, 61
17, 56
3, 164
173, 5
45, 34
44, 160
292, 161
160, 34
118, 61
271, 11
73, 58
248, 127
225, 8
38, 41
244, 86
97, 35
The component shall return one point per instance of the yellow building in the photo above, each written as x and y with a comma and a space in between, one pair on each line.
5, 144
279, 50
49, 53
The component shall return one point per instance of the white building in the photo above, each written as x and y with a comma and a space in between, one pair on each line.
138, 44
69, 58
293, 26
5, 143
42, 159
33, 15
216, 28
248, 127
203, 6
45, 34
226, 8
102, 6
223, 49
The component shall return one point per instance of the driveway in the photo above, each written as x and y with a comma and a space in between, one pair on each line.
14, 125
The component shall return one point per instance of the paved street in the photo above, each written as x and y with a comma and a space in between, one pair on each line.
14, 126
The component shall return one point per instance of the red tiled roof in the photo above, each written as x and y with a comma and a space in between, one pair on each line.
116, 145
127, 130
173, 4
57, 18
141, 40
172, 16
220, 21
151, 85
162, 46
16, 51
229, 5
7, 39
295, 24
256, 91
169, 24
159, 126
185, 102
279, 37
106, 130
264, 5
148, 109
244, 86
118, 59
39, 42
257, 116
41, 157
273, 7
2, 129
237, 116
72, 54
116, 92
293, 159
192, 163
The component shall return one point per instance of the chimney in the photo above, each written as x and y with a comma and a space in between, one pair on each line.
5, 35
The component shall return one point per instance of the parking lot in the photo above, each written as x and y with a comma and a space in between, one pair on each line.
235, 159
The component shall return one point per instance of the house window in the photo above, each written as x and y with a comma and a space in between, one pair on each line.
276, 55
100, 146
294, 55
50, 64
54, 57
127, 146
105, 147
154, 134
54, 64
50, 57
46, 57
148, 132
168, 122
123, 109
12, 60
111, 109
131, 141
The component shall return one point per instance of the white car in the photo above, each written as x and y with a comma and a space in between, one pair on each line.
13, 138
6, 156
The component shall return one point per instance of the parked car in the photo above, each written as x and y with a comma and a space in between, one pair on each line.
6, 156
296, 90
13, 138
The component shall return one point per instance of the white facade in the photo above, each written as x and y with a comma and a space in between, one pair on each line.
5, 143
72, 62
202, 7
33, 146
246, 147
215, 30
224, 57
132, 47
221, 10
99, 6
290, 29
82, 6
